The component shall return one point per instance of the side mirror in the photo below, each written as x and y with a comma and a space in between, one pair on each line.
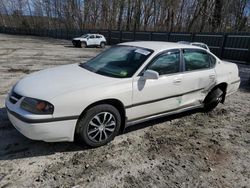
150, 75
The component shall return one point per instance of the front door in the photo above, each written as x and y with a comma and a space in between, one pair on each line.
151, 97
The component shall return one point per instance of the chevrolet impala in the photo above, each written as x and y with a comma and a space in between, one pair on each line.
126, 84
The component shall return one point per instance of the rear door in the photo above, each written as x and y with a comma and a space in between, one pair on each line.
98, 40
198, 75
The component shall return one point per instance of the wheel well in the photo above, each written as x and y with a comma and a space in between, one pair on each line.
114, 102
223, 87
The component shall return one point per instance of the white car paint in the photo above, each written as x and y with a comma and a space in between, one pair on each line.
90, 39
71, 89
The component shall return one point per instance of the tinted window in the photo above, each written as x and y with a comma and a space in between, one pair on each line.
167, 63
196, 60
92, 37
97, 36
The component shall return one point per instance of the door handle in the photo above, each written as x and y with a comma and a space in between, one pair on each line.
212, 76
177, 80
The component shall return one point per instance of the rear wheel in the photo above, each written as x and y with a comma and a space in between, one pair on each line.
213, 99
102, 45
99, 125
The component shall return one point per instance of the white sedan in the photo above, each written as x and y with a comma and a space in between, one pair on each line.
124, 85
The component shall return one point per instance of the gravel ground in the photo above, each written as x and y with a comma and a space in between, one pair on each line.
186, 150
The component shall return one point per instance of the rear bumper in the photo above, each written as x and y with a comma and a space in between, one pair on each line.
233, 87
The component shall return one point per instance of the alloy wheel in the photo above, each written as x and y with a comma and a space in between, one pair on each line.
101, 127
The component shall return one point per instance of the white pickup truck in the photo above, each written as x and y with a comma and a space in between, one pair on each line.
90, 40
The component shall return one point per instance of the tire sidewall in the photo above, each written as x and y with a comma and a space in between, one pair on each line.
209, 106
83, 124
83, 45
102, 45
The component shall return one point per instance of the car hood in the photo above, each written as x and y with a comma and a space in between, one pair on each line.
79, 38
49, 83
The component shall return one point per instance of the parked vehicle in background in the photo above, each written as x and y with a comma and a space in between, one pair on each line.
200, 44
90, 40
124, 85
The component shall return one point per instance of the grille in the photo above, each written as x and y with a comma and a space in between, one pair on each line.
14, 97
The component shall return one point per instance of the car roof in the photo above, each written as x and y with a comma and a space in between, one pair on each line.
159, 46
93, 34
198, 43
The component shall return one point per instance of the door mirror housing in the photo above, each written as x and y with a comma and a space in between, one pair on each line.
150, 75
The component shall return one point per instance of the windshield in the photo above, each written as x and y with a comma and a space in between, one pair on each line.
119, 61
84, 36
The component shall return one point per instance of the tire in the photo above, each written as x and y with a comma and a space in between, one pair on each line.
102, 45
83, 44
99, 125
213, 99
74, 44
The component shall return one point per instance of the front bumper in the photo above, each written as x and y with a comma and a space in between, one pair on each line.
76, 42
49, 130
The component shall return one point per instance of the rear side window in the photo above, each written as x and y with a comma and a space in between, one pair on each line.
196, 59
166, 63
98, 36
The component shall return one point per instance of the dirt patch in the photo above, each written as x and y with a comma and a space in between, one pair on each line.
7, 51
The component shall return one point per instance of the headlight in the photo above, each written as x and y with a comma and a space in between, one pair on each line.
37, 106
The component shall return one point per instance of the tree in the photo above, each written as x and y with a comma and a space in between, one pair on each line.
131, 15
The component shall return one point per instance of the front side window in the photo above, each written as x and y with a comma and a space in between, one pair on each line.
167, 63
196, 59
119, 61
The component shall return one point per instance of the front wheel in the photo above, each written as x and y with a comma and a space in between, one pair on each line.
99, 125
83, 44
213, 99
